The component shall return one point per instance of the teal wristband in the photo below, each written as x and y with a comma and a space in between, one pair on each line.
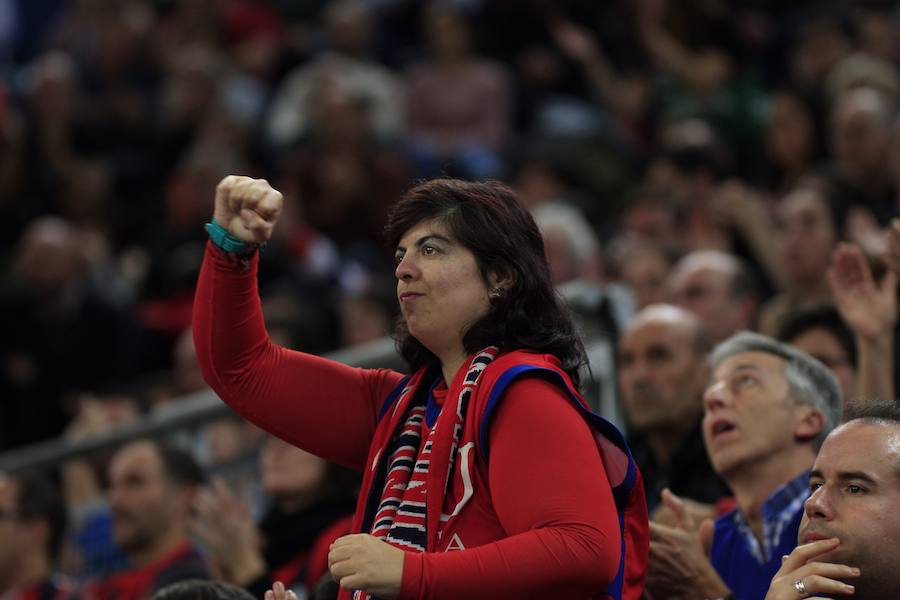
227, 242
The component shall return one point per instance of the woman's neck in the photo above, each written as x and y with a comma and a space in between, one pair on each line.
450, 367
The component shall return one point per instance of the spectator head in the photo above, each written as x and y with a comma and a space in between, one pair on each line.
662, 369
790, 133
365, 316
855, 491
821, 333
48, 257
201, 589
53, 87
151, 489
809, 233
860, 134
32, 523
572, 248
655, 215
718, 288
768, 408
290, 476
349, 26
447, 32
641, 265
514, 305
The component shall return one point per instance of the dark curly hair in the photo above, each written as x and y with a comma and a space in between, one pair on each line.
487, 218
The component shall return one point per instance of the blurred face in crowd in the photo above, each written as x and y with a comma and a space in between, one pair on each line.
349, 28
289, 474
13, 533
561, 255
661, 371
363, 320
447, 33
823, 345
750, 417
440, 288
144, 502
48, 257
860, 135
789, 135
809, 235
855, 492
702, 284
645, 270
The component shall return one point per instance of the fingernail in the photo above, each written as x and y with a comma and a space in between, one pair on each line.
855, 571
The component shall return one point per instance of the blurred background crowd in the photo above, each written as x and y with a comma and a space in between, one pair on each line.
710, 154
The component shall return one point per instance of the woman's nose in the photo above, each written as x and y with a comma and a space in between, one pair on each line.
406, 269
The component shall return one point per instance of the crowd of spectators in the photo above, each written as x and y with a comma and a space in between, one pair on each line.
701, 168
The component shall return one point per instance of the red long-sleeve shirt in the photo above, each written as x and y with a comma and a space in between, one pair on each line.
546, 479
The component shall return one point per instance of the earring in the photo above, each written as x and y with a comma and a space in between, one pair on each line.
496, 292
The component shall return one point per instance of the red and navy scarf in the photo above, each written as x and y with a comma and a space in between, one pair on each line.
400, 518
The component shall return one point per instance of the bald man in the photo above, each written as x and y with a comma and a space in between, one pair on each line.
662, 373
849, 538
718, 288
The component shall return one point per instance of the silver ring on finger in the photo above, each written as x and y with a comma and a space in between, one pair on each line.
800, 587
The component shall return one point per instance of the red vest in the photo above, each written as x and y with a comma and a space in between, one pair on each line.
465, 513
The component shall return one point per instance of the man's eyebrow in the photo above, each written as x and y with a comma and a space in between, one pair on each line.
425, 239
737, 369
857, 475
746, 367
846, 476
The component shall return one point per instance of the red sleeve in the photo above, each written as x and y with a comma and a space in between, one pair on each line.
551, 494
322, 406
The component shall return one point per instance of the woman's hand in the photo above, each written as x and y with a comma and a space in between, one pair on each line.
363, 562
801, 577
248, 208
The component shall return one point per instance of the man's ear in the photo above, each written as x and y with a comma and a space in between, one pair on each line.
809, 422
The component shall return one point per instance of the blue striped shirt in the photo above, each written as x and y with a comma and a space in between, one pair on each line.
747, 566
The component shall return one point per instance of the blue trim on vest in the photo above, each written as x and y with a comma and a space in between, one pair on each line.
621, 493
386, 405
614, 589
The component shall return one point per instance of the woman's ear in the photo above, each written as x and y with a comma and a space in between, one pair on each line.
500, 279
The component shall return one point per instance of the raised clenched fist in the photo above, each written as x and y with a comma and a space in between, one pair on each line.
248, 208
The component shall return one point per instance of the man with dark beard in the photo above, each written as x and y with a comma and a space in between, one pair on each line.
151, 490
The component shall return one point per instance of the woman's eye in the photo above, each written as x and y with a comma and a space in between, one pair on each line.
855, 489
398, 257
814, 486
429, 250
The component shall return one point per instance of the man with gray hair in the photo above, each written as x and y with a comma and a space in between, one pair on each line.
767, 411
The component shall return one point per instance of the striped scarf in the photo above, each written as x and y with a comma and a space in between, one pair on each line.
400, 517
